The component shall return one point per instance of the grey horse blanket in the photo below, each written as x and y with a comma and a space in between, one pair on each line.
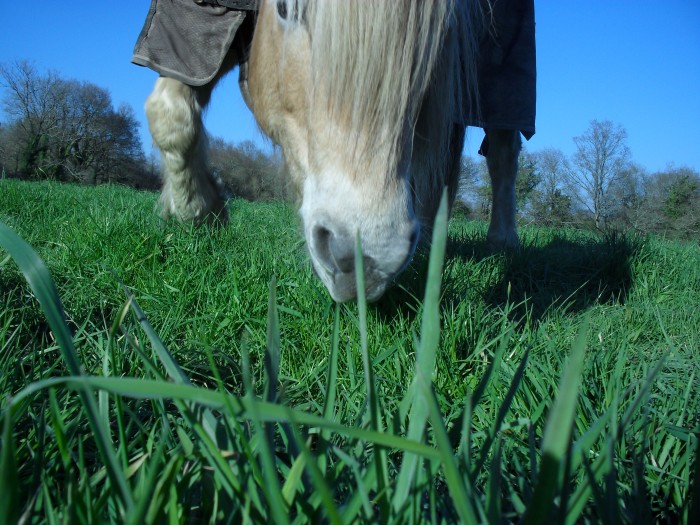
506, 67
189, 41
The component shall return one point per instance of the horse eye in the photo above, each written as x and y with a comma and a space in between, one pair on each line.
289, 11
282, 9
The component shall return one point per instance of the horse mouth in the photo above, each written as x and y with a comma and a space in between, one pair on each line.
342, 286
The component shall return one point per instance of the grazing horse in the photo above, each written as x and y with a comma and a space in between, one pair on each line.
368, 101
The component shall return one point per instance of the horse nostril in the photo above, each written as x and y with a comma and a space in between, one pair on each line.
343, 253
320, 241
335, 251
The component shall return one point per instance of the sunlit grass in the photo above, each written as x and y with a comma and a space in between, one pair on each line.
220, 382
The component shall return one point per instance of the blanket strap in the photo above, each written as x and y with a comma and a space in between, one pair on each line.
240, 5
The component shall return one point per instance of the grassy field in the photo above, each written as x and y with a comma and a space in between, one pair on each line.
205, 375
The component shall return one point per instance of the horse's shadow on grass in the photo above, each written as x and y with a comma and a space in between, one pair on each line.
563, 273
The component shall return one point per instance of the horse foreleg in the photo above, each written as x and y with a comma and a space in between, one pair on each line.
502, 161
174, 112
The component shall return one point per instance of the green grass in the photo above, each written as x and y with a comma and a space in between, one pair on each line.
220, 383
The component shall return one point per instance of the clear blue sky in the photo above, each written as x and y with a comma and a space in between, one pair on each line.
635, 62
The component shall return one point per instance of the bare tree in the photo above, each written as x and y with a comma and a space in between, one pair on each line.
626, 196
474, 189
4, 149
551, 204
469, 170
601, 158
527, 180
31, 106
247, 171
67, 129
553, 167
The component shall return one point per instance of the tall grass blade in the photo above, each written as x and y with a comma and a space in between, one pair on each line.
209, 422
453, 477
502, 412
430, 322
493, 493
293, 480
272, 488
9, 484
557, 434
59, 429
380, 457
164, 499
602, 463
360, 498
146, 492
332, 374
425, 355
271, 368
159, 389
317, 478
331, 390
42, 285
493, 366
694, 496
273, 350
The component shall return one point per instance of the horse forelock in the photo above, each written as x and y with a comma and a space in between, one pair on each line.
372, 62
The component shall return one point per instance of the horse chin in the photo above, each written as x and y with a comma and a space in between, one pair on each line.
342, 286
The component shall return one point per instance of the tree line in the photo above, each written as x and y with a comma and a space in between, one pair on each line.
598, 186
68, 130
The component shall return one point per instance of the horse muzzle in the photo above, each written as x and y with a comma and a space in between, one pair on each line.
332, 251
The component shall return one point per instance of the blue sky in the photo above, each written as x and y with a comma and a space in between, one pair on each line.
635, 62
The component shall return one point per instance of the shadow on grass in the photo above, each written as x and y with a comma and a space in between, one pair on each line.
568, 271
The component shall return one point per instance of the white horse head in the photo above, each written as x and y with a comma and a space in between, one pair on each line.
341, 86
